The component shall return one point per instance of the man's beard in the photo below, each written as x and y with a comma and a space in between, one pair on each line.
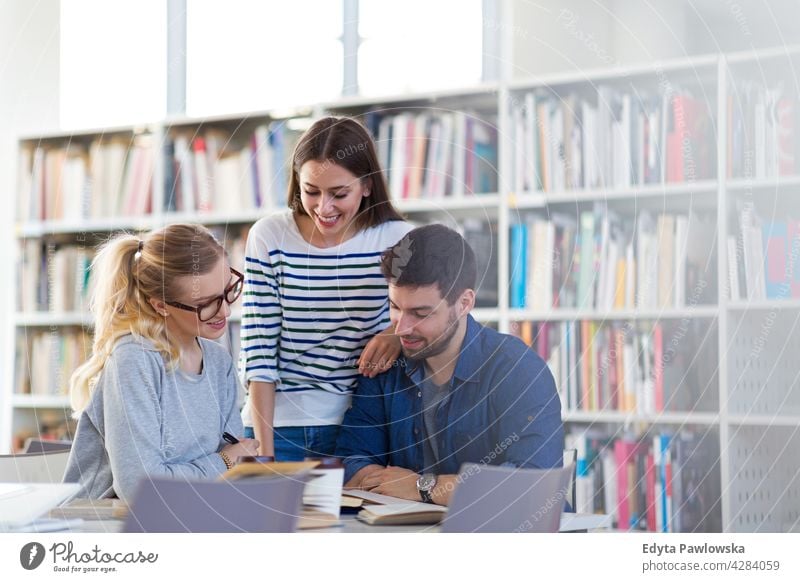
439, 345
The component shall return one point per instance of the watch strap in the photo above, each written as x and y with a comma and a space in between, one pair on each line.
425, 493
426, 496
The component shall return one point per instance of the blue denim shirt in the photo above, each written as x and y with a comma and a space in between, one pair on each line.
502, 409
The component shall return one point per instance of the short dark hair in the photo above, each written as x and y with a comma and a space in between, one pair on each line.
428, 255
345, 142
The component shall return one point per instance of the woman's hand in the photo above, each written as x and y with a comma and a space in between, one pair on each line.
380, 353
244, 448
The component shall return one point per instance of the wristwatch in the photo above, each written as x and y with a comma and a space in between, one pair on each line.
425, 485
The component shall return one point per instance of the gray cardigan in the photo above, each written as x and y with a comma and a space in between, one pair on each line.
143, 420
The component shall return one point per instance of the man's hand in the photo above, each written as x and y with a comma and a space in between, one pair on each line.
380, 353
394, 481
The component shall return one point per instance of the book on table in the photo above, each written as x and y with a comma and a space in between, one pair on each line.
322, 493
379, 509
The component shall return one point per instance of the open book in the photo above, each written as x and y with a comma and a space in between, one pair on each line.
91, 509
322, 493
243, 470
379, 509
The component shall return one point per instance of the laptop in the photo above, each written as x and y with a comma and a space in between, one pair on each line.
22, 503
265, 505
507, 499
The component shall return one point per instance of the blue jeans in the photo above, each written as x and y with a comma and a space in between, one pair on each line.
295, 443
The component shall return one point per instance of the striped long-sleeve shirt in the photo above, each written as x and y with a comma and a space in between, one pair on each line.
307, 314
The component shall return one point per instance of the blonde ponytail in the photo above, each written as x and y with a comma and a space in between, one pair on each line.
127, 271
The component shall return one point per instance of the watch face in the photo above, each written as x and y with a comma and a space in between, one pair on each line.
426, 482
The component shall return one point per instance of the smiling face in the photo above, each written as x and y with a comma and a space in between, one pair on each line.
195, 290
331, 197
423, 320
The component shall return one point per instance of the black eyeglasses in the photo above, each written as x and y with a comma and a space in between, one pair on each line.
208, 310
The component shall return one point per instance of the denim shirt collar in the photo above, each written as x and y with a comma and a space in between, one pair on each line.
470, 359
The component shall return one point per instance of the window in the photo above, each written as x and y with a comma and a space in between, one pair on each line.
249, 55
113, 62
419, 45
245, 55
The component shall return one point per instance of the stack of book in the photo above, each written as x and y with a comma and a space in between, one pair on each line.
322, 494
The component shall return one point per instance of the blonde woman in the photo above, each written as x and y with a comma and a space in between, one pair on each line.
158, 394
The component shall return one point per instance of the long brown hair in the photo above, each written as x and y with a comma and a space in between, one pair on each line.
127, 272
345, 142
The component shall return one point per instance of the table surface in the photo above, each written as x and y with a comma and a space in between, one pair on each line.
98, 519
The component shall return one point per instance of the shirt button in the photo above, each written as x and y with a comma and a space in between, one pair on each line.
416, 431
419, 394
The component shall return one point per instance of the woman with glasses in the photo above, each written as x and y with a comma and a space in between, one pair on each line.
315, 312
158, 396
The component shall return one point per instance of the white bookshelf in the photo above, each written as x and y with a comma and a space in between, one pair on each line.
765, 420
621, 314
743, 184
35, 401
765, 305
632, 418
756, 410
475, 204
48, 319
526, 200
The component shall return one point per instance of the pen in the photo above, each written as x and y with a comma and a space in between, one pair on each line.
229, 438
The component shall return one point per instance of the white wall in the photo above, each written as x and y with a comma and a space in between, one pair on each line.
569, 35
572, 35
29, 103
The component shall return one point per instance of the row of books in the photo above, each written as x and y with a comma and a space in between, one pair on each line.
764, 257
53, 277
112, 177
217, 171
613, 139
763, 129
643, 368
436, 154
663, 482
58, 278
45, 360
605, 262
